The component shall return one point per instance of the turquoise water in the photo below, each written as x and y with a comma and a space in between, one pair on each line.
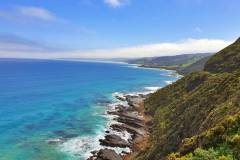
42, 100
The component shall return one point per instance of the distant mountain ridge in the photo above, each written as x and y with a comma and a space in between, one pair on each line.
180, 63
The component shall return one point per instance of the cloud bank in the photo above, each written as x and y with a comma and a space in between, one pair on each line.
13, 49
189, 46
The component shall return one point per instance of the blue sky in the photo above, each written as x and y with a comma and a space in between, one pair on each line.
116, 28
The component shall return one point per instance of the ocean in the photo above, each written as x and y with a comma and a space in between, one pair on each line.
45, 100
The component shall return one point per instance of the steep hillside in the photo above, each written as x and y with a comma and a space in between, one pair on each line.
221, 142
197, 66
197, 117
227, 60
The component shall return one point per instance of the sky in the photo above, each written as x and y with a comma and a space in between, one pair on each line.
115, 28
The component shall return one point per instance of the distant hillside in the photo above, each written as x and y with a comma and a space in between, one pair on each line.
198, 117
178, 62
197, 66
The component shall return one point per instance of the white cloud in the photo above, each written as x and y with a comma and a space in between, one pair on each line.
160, 49
36, 12
115, 3
188, 46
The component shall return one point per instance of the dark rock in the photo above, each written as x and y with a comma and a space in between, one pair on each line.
94, 152
134, 101
121, 98
133, 122
130, 121
124, 127
120, 112
124, 153
106, 154
114, 141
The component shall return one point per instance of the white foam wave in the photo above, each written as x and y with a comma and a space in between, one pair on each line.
169, 82
152, 88
119, 95
81, 147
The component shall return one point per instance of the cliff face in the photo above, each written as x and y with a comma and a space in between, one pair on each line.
191, 116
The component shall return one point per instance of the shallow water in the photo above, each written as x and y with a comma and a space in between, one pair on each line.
42, 100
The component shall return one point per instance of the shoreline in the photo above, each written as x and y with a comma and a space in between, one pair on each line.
129, 117
173, 73
125, 132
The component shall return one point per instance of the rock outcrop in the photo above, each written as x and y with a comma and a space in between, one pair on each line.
106, 154
128, 120
114, 141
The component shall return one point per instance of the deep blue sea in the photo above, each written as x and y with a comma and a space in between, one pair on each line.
42, 100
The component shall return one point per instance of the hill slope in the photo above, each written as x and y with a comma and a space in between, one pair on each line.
197, 66
198, 117
178, 62
227, 60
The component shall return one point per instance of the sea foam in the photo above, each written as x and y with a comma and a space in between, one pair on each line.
82, 147
169, 82
152, 88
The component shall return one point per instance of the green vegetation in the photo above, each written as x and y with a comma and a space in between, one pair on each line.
223, 140
198, 117
197, 66
179, 63
227, 60
201, 154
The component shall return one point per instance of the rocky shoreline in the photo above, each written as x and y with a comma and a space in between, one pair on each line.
129, 117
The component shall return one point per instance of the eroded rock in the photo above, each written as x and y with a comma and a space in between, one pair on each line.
106, 154
114, 141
